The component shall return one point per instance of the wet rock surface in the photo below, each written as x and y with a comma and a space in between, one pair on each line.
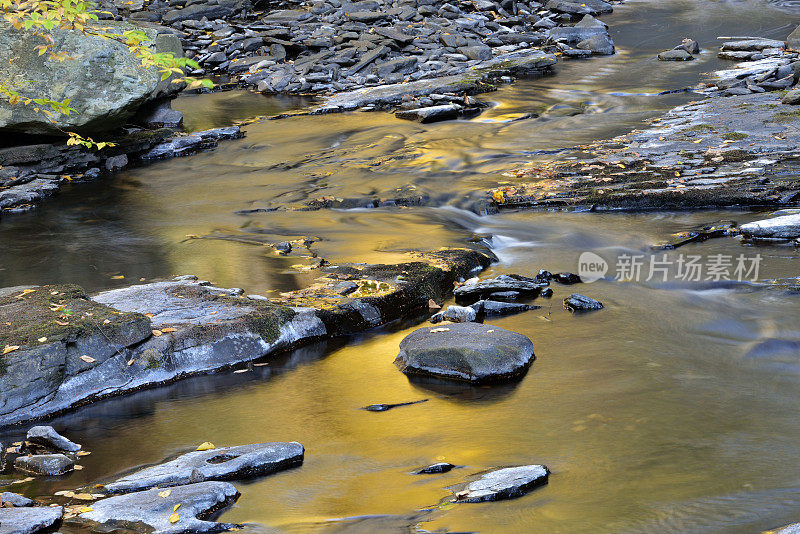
65, 349
45, 464
505, 483
153, 510
225, 463
435, 469
782, 227
469, 352
28, 520
14, 500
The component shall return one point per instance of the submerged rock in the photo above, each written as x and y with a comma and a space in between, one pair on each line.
782, 227
577, 302
505, 483
675, 55
47, 437
25, 520
152, 510
470, 352
434, 469
430, 114
45, 464
14, 500
225, 463
385, 407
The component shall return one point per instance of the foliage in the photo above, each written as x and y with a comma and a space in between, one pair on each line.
43, 16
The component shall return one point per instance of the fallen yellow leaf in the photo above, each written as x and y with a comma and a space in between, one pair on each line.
86, 509
206, 446
42, 339
170, 329
88, 359
84, 496
164, 494
174, 518
176, 507
10, 348
157, 332
118, 277
499, 197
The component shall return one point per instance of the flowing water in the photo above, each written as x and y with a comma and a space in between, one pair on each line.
672, 410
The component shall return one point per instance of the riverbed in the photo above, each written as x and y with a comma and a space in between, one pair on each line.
671, 410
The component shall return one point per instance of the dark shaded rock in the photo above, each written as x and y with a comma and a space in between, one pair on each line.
690, 45
47, 437
159, 115
491, 308
504, 295
198, 11
466, 351
385, 407
434, 469
675, 55
478, 52
576, 302
507, 483
484, 288
225, 463
430, 114
147, 511
45, 464
567, 278
547, 292
345, 288
793, 41
14, 500
27, 520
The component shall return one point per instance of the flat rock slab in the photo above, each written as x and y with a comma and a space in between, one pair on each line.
225, 463
470, 352
45, 464
29, 520
577, 302
46, 436
148, 511
783, 227
507, 483
503, 283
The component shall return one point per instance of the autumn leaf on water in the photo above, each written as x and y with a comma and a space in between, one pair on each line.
206, 446
83, 453
174, 518
77, 467
118, 277
164, 494
88, 359
10, 348
84, 496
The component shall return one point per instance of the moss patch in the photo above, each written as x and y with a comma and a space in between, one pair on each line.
734, 136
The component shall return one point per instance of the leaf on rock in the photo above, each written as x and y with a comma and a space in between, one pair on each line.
10, 348
206, 446
88, 359
84, 496
174, 518
157, 333
164, 494
176, 507
86, 509
170, 329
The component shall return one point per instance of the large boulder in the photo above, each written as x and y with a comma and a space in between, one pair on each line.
103, 81
471, 352
25, 520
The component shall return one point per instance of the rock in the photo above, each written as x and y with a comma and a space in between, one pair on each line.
475, 291
577, 302
434, 469
567, 278
505, 483
675, 55
504, 295
159, 115
794, 528
224, 463
478, 52
198, 11
104, 82
456, 314
47, 437
430, 114
577, 33
45, 464
491, 308
147, 511
598, 44
466, 351
26, 520
751, 45
792, 97
386, 407
14, 500
690, 45
783, 227
345, 287
793, 41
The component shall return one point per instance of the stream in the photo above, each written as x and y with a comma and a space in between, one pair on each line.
671, 410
